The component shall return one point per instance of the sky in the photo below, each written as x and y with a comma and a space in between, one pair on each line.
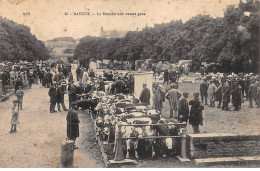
47, 18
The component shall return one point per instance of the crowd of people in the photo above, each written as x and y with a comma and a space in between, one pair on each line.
231, 88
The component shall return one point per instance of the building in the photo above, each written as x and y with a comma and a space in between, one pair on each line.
62, 48
112, 33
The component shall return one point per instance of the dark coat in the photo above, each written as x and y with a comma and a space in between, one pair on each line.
145, 96
226, 93
204, 89
72, 93
183, 109
196, 112
166, 76
53, 94
219, 93
237, 95
72, 124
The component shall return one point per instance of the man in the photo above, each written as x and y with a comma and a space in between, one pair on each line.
145, 95
19, 95
110, 76
247, 84
196, 118
211, 93
183, 110
72, 93
49, 79
105, 74
4, 78
70, 77
173, 96
225, 95
18, 83
101, 84
252, 94
78, 72
166, 77
172, 76
219, 95
158, 98
53, 98
12, 78
204, 91
41, 75
119, 85
60, 96
65, 71
237, 96
73, 124
91, 74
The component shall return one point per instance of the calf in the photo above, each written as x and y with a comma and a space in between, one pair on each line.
141, 147
168, 145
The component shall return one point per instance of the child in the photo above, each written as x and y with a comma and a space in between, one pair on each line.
19, 95
15, 114
183, 112
196, 118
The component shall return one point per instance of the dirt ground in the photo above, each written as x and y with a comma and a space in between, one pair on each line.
40, 133
244, 121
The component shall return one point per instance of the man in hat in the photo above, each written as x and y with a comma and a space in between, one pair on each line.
15, 118
78, 72
173, 96
211, 93
92, 74
158, 97
252, 94
166, 77
196, 118
237, 96
183, 110
53, 98
110, 76
204, 91
60, 95
219, 95
225, 95
19, 94
145, 95
101, 84
247, 84
73, 124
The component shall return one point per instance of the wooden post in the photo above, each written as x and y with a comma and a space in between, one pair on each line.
67, 154
183, 143
119, 156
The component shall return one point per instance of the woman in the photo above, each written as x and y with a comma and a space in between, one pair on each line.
15, 114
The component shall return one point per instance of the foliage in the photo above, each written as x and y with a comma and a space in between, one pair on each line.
231, 41
17, 43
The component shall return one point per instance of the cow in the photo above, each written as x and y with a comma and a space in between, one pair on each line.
84, 104
141, 147
167, 146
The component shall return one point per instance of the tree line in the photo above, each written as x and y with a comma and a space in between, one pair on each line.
231, 41
17, 43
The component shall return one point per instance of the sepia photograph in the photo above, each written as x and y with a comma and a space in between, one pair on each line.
129, 84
